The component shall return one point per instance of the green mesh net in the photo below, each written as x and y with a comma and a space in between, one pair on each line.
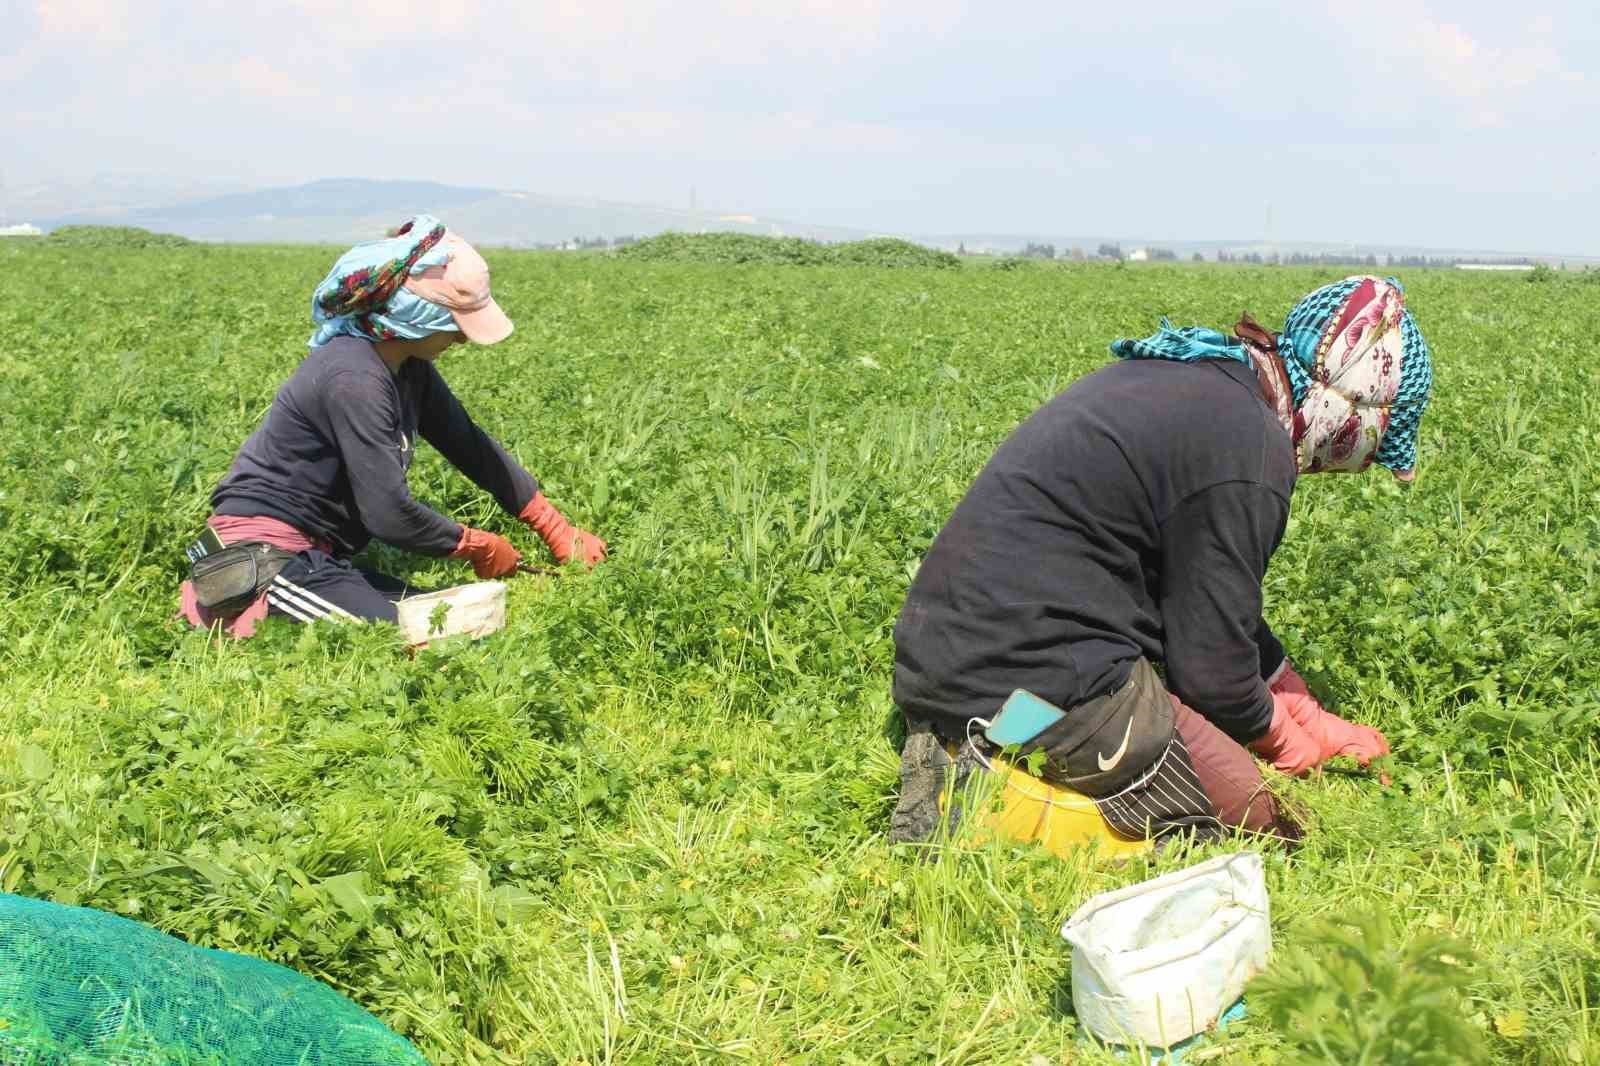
83, 986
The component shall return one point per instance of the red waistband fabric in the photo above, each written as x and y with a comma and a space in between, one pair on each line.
233, 529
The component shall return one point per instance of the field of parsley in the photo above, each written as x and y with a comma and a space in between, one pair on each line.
646, 822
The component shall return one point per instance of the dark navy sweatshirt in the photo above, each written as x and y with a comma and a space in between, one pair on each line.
1133, 515
331, 456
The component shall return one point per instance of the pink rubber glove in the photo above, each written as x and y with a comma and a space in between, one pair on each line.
1285, 745
566, 541
1332, 734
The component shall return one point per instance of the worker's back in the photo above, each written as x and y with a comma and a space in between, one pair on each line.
1048, 576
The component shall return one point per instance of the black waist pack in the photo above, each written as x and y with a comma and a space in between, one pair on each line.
1106, 744
1124, 751
227, 579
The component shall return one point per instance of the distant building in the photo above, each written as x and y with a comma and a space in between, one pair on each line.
1138, 255
21, 229
1494, 266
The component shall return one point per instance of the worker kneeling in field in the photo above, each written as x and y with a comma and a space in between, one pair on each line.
1129, 523
326, 470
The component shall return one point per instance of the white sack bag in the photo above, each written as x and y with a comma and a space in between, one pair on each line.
1159, 961
476, 610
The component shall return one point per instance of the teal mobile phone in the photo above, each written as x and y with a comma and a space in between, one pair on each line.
1022, 717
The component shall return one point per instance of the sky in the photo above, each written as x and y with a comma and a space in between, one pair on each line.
1394, 122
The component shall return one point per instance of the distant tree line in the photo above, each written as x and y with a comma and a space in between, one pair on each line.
582, 244
1114, 252
727, 247
1109, 251
1353, 259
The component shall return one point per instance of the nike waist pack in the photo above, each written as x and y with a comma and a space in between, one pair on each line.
1121, 750
227, 578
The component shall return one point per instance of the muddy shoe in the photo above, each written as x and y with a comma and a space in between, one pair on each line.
967, 763
923, 762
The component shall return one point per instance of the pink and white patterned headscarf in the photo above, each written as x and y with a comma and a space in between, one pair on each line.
1361, 374
1348, 378
1355, 379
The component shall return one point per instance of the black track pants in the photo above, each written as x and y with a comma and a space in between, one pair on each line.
317, 585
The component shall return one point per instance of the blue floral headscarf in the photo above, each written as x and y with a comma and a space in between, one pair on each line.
364, 295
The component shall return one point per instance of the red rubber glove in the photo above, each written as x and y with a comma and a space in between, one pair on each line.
566, 541
1285, 745
1332, 734
491, 554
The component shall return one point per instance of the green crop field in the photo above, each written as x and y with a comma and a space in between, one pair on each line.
646, 822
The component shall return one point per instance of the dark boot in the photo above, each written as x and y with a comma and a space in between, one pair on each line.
924, 771
923, 762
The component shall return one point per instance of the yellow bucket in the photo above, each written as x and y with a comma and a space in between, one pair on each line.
1063, 821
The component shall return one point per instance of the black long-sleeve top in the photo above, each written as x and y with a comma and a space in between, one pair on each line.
1132, 515
331, 456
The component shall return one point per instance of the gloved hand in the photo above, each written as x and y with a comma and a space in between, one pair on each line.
491, 554
1285, 745
1332, 734
566, 541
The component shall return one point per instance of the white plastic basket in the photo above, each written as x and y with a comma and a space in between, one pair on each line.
476, 610
1159, 961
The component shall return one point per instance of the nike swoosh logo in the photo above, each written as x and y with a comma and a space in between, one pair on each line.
1106, 764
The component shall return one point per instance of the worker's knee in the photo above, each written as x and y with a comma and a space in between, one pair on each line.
1232, 779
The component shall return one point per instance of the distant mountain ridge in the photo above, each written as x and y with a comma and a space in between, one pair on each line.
330, 197
345, 210
341, 210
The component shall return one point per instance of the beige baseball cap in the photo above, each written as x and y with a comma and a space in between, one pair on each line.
461, 287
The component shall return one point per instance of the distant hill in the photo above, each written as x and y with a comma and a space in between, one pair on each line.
345, 210
332, 198
342, 210
103, 198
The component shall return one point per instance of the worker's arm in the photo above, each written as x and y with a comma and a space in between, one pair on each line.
1270, 651
1215, 548
364, 419
445, 424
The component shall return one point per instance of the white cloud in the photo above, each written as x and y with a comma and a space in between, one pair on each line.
1456, 60
1487, 65
98, 22
368, 23
259, 78
1025, 110
629, 41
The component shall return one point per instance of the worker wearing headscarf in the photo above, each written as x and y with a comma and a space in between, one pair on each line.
1109, 560
325, 473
